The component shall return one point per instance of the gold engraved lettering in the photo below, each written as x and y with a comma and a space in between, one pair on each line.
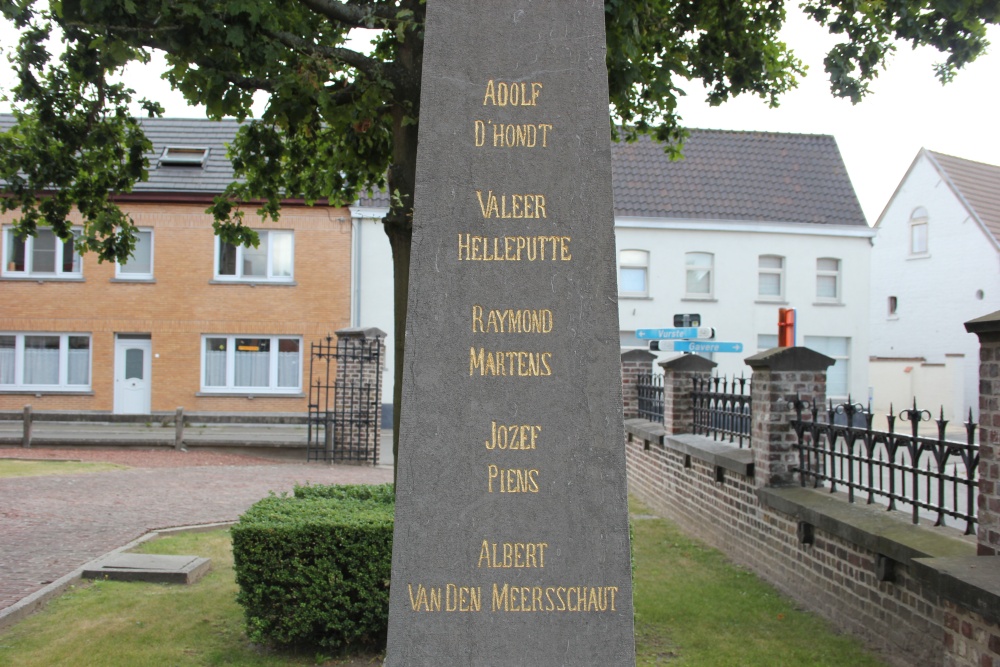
509, 320
516, 93
512, 437
593, 599
425, 599
541, 248
509, 363
514, 206
512, 480
463, 598
512, 554
511, 135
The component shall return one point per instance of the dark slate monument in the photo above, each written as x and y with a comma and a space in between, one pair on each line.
511, 542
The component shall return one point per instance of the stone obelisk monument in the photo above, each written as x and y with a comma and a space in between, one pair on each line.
511, 542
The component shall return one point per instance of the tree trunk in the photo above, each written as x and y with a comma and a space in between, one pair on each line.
398, 224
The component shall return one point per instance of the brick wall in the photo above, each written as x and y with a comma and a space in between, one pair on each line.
182, 304
831, 576
917, 594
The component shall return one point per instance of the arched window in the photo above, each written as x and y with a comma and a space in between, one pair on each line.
633, 273
771, 277
698, 281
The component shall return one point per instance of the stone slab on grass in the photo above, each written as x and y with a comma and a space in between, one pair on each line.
150, 568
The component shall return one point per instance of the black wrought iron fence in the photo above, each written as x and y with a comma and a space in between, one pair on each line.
932, 476
650, 390
721, 409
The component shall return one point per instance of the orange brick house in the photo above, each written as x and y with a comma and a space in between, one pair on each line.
187, 322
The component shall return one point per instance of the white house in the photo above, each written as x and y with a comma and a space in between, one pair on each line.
935, 265
745, 224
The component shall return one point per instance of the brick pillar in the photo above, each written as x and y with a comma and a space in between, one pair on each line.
988, 330
634, 364
360, 359
779, 376
678, 381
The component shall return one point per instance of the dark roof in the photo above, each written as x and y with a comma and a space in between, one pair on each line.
740, 176
744, 176
978, 183
212, 177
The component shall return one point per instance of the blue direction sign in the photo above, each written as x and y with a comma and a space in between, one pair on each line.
696, 346
675, 333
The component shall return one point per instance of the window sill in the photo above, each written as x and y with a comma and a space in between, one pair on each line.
925, 255
822, 304
44, 279
246, 395
705, 299
255, 283
42, 392
141, 281
771, 302
635, 297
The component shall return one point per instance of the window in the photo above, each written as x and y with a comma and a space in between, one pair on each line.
771, 277
633, 275
893, 306
766, 342
42, 255
828, 279
140, 265
271, 260
251, 364
918, 231
838, 349
183, 156
37, 361
698, 282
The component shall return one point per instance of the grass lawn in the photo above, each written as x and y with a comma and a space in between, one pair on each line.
26, 468
692, 608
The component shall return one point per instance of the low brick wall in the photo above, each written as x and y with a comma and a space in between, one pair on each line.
852, 564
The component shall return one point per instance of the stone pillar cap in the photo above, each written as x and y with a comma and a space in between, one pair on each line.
687, 362
985, 324
638, 355
360, 332
789, 359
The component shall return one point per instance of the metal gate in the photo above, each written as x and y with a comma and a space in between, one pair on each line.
345, 396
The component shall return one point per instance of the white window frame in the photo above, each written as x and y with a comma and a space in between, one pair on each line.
919, 221
9, 238
636, 260
62, 383
121, 272
230, 386
829, 273
689, 268
771, 270
265, 237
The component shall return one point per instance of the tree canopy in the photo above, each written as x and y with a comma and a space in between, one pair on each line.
338, 122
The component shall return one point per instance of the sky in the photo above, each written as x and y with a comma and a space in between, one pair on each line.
908, 109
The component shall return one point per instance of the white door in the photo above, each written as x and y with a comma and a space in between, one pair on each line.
132, 368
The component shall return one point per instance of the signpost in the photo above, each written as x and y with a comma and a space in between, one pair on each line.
676, 333
695, 346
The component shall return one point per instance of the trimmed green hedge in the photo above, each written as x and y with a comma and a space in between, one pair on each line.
313, 569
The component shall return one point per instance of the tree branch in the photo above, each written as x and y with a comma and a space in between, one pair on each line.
347, 56
354, 15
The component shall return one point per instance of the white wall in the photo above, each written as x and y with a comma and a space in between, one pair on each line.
936, 293
736, 311
371, 286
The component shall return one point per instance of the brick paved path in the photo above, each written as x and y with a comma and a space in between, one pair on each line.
52, 525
